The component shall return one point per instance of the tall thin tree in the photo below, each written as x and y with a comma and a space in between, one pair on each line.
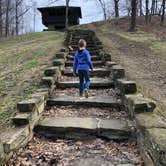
133, 15
67, 15
147, 11
1, 18
7, 18
116, 4
163, 12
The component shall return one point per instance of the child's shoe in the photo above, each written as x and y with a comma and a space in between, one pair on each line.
86, 93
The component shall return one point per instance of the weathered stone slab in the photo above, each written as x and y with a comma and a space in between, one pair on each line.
126, 87
95, 83
114, 129
138, 104
109, 64
41, 93
94, 58
34, 104
27, 105
63, 127
63, 50
98, 101
117, 72
95, 63
76, 127
97, 72
15, 138
155, 142
48, 81
149, 120
60, 56
1, 152
52, 71
22, 119
58, 62
96, 161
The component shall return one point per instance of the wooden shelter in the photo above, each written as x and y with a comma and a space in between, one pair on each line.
54, 17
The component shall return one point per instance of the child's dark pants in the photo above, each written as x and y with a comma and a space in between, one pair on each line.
83, 75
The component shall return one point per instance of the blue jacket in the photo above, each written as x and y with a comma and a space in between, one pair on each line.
82, 61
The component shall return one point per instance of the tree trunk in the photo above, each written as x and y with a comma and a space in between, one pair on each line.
156, 7
67, 14
1, 18
163, 12
140, 8
133, 15
116, 3
147, 11
16, 17
7, 18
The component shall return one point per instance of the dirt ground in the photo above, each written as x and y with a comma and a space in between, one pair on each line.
143, 55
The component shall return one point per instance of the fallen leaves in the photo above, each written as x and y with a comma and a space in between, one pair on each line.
41, 151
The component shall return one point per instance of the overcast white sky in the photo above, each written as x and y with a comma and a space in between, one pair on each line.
90, 11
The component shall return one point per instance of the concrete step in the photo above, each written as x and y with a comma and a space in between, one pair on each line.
95, 101
97, 72
94, 58
95, 63
95, 83
83, 128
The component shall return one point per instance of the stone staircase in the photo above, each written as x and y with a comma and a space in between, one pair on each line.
77, 127
115, 113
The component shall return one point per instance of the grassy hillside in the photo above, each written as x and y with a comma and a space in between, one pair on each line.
22, 59
143, 54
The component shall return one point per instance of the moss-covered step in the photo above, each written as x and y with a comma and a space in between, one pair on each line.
83, 128
97, 101
95, 83
97, 72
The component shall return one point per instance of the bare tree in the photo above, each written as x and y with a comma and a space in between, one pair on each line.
140, 8
147, 11
103, 6
116, 4
163, 12
133, 15
67, 15
1, 18
7, 18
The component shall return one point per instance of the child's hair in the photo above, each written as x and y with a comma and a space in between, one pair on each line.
81, 43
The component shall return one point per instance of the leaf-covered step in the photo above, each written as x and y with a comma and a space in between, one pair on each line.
97, 72
95, 101
95, 83
84, 128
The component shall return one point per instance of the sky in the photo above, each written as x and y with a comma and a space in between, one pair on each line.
90, 11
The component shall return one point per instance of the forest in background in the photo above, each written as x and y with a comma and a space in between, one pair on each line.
14, 21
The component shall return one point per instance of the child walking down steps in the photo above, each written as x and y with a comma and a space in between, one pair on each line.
82, 63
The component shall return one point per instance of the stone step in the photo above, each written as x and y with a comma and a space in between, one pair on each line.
96, 101
94, 57
95, 83
83, 128
97, 72
95, 63
91, 52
